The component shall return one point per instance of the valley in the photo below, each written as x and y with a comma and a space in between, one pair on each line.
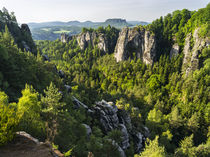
109, 89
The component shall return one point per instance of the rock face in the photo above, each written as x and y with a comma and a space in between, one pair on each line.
191, 60
110, 118
93, 39
174, 50
65, 38
132, 40
25, 28
107, 115
24, 145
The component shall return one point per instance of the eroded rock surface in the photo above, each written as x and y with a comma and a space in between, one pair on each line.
191, 53
24, 145
133, 42
93, 39
174, 50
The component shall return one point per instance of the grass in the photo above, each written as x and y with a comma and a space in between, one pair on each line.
61, 31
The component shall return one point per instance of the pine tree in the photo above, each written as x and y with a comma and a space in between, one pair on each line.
51, 104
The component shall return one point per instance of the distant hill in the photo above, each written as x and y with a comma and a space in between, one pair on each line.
52, 30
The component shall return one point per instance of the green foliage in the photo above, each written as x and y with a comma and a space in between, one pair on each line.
172, 106
8, 119
152, 149
29, 108
51, 110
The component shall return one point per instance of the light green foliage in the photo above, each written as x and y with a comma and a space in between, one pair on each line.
152, 149
186, 146
155, 116
175, 118
8, 119
29, 108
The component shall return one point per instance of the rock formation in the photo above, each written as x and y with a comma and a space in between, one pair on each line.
111, 118
133, 40
191, 54
24, 145
25, 28
65, 38
174, 50
93, 39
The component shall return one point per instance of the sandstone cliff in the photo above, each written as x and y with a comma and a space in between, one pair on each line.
191, 53
93, 39
133, 42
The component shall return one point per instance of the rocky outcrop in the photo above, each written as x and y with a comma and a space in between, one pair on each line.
138, 41
27, 42
111, 118
65, 38
174, 50
24, 145
191, 54
107, 115
24, 28
93, 39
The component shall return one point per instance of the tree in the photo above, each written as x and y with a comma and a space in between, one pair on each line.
175, 118
52, 105
152, 149
6, 38
186, 147
29, 108
8, 119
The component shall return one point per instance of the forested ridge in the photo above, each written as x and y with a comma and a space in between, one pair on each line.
38, 91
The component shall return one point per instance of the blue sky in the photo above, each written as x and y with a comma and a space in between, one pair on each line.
96, 10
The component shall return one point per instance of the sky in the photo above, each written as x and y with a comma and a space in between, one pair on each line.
96, 10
